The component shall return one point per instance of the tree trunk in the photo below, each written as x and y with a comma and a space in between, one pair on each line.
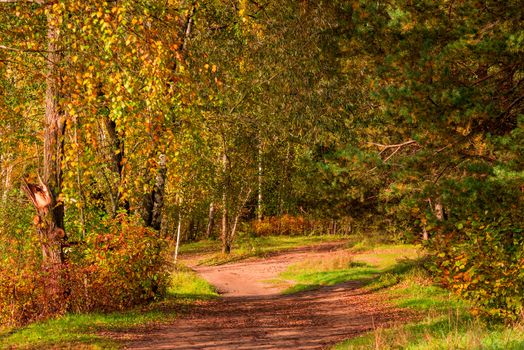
211, 220
226, 243
241, 205
154, 202
50, 209
178, 234
259, 204
7, 178
439, 210
117, 150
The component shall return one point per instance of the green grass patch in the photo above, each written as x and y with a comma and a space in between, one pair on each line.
76, 331
454, 330
247, 246
446, 321
398, 272
84, 331
187, 284
347, 266
314, 280
200, 247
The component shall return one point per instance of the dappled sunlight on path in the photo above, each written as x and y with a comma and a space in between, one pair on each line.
247, 319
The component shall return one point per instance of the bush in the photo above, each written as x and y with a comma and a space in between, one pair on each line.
281, 225
484, 263
22, 296
126, 266
122, 265
22, 292
479, 250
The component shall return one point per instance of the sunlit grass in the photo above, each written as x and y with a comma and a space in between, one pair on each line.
445, 322
76, 331
83, 331
187, 284
346, 266
398, 272
453, 330
247, 246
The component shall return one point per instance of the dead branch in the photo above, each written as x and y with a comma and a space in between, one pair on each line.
384, 147
397, 147
39, 194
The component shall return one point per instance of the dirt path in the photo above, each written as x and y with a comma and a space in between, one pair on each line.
253, 315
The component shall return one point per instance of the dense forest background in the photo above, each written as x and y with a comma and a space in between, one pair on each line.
125, 122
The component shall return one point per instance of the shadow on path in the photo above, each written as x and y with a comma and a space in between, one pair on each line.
307, 320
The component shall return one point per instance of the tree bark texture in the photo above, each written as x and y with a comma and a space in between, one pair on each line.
45, 195
117, 150
154, 202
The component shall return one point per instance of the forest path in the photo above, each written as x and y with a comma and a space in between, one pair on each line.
253, 315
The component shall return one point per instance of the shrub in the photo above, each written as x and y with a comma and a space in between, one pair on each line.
484, 263
290, 225
128, 265
22, 293
479, 250
281, 225
119, 266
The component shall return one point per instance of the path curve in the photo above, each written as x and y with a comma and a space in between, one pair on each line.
253, 315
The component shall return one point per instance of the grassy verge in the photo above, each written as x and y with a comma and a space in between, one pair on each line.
249, 246
84, 331
397, 271
347, 266
446, 322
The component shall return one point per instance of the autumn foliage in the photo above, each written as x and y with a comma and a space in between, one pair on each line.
122, 265
404, 118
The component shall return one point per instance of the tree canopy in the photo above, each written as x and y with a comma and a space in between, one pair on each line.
123, 121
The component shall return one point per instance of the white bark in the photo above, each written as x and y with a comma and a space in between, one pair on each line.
259, 203
178, 234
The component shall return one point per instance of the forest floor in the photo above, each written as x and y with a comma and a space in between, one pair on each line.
253, 313
286, 292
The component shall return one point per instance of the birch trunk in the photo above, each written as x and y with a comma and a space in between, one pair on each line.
226, 244
178, 234
259, 203
439, 210
211, 220
153, 203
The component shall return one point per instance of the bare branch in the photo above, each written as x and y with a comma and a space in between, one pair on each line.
384, 147
392, 154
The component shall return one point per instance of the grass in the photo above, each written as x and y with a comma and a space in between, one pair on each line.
188, 285
346, 266
445, 320
85, 331
397, 271
247, 246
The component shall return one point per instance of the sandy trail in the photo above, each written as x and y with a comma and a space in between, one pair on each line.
250, 277
253, 315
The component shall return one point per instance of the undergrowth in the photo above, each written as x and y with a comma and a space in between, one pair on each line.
86, 331
398, 271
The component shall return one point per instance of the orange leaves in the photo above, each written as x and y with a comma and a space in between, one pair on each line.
119, 268
283, 225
